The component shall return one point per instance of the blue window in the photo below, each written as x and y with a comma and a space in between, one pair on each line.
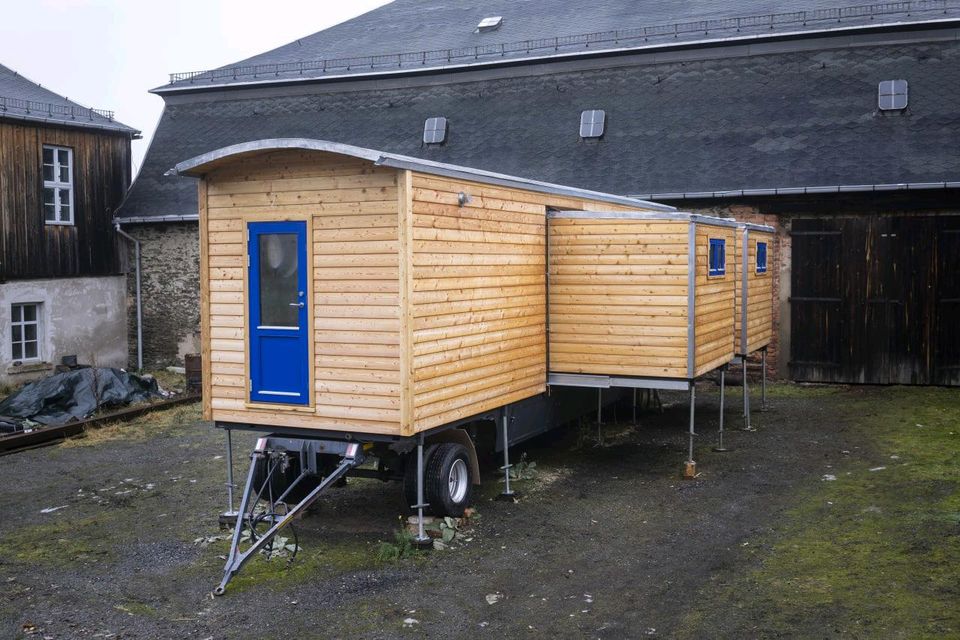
718, 256
761, 257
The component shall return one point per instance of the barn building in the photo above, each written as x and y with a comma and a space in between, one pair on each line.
837, 125
64, 169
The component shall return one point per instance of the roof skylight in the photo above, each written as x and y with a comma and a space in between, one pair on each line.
490, 24
435, 130
892, 95
591, 123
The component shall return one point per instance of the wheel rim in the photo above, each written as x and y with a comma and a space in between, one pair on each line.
458, 480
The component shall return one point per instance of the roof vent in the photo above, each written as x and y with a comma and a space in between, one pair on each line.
435, 130
591, 123
892, 95
490, 24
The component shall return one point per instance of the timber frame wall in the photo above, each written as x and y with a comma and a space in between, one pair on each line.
425, 309
754, 291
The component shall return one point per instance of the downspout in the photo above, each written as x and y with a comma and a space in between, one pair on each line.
136, 253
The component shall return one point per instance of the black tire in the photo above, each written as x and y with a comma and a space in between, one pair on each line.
447, 460
410, 475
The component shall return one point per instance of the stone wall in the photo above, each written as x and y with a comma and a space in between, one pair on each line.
170, 292
81, 317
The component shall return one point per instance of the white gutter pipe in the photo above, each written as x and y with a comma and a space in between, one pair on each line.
136, 252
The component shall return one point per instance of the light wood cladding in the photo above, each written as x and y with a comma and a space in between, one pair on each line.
713, 301
618, 296
759, 294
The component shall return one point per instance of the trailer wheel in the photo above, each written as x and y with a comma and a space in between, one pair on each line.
448, 481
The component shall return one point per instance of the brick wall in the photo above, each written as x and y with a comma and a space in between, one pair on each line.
170, 291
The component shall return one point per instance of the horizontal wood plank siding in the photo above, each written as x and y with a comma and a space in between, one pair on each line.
759, 294
713, 301
351, 211
478, 298
618, 296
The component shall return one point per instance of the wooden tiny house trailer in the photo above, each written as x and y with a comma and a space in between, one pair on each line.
349, 295
424, 301
624, 301
754, 293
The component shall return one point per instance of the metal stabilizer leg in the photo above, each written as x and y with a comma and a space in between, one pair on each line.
763, 383
508, 494
352, 455
723, 392
422, 540
746, 399
690, 467
229, 517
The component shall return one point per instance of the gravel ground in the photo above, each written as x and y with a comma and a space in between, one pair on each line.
99, 536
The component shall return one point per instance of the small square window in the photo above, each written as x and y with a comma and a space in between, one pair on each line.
435, 130
761, 257
893, 95
25, 331
591, 123
718, 257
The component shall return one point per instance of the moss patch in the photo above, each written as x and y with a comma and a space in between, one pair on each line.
871, 553
56, 544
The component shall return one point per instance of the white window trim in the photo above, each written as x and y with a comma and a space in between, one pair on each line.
58, 186
22, 324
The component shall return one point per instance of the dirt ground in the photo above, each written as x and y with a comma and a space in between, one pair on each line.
838, 517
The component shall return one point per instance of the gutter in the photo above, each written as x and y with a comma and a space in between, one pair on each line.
190, 217
136, 250
792, 191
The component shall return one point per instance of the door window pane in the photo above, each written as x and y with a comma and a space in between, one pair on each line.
279, 295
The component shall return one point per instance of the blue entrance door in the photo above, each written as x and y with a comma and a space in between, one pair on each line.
279, 332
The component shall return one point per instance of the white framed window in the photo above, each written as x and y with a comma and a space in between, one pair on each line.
57, 185
892, 95
25, 331
435, 130
592, 122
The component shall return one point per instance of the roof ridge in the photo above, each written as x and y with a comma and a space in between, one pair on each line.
395, 60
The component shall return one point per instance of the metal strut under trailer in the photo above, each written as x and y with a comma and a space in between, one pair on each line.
271, 458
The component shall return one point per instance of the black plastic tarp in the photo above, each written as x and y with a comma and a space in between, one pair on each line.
75, 395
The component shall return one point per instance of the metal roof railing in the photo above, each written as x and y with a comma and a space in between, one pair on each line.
33, 107
585, 40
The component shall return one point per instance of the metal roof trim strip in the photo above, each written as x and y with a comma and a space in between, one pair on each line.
786, 191
193, 167
645, 215
190, 217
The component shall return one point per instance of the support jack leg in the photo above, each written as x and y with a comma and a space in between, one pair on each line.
422, 540
690, 467
508, 494
723, 387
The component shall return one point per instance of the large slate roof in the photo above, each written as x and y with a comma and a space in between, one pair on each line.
795, 119
413, 35
23, 99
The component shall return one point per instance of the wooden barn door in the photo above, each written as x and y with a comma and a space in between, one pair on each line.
873, 300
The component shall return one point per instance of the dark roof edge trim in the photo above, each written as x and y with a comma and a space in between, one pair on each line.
792, 191
691, 44
114, 126
192, 217
192, 167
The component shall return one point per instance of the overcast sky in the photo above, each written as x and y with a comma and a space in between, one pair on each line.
106, 54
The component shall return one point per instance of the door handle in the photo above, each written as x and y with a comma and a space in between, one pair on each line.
297, 304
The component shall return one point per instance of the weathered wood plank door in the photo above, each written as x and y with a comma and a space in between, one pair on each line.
874, 299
